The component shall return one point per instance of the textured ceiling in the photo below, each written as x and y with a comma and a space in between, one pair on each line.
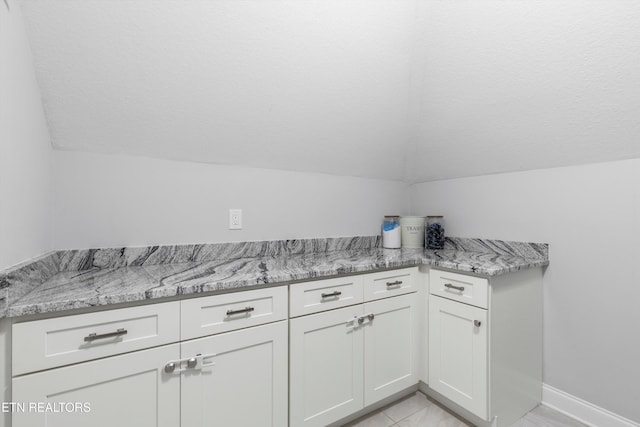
521, 85
394, 89
311, 85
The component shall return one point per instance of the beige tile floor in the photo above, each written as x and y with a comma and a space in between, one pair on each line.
419, 411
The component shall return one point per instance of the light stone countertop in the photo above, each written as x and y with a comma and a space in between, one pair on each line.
67, 280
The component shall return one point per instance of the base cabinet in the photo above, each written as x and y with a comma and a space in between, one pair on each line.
243, 359
241, 380
343, 360
391, 346
233, 372
326, 375
458, 353
485, 344
131, 390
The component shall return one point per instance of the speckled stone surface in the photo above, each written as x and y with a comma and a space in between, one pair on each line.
487, 257
87, 278
84, 259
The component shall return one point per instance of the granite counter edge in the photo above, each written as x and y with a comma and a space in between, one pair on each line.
239, 285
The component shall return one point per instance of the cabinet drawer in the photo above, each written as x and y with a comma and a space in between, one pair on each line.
321, 295
44, 344
390, 283
459, 287
227, 312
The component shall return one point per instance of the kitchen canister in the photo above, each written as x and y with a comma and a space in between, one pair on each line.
434, 232
412, 231
391, 232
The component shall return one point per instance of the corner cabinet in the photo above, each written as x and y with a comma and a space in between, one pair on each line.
485, 343
344, 359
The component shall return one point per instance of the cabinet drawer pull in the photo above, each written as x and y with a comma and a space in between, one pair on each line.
240, 311
396, 283
477, 323
457, 288
331, 294
93, 337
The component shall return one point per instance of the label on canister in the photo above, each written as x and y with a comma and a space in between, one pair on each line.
412, 231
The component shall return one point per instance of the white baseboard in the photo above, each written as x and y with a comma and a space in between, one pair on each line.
582, 410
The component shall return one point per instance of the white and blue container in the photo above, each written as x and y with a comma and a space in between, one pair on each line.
391, 232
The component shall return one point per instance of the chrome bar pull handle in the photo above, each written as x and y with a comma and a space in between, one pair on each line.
241, 311
396, 283
457, 288
331, 294
93, 337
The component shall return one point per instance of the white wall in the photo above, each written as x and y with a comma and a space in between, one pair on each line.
590, 215
24, 147
518, 85
106, 200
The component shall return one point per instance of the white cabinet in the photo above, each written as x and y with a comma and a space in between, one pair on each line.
326, 374
235, 359
391, 346
458, 353
485, 343
130, 390
200, 382
345, 359
240, 378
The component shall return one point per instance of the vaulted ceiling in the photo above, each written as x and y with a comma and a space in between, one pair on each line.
409, 90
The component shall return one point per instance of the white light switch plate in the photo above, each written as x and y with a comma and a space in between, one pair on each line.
235, 219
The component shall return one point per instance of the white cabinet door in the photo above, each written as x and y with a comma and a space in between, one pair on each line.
326, 373
390, 347
131, 390
458, 353
241, 379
